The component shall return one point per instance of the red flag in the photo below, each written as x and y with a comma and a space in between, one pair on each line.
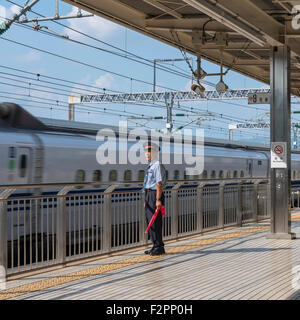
162, 210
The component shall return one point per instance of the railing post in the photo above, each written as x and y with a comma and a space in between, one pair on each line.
221, 205
3, 235
200, 207
61, 225
107, 225
239, 217
3, 241
255, 200
269, 200
175, 210
142, 218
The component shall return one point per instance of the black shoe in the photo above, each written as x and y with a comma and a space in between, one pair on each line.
157, 251
149, 251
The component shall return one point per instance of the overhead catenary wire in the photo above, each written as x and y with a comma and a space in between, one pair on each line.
243, 106
62, 94
81, 84
79, 107
83, 63
126, 56
104, 89
58, 93
221, 101
39, 76
38, 80
91, 109
99, 110
230, 118
83, 109
174, 72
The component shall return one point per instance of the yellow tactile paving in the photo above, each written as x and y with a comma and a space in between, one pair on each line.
70, 277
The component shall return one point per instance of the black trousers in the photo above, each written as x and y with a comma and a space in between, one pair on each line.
155, 230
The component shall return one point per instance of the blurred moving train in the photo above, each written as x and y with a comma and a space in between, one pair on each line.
31, 152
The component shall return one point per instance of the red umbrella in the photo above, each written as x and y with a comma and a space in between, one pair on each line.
162, 210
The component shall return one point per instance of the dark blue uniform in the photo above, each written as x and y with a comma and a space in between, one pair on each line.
155, 174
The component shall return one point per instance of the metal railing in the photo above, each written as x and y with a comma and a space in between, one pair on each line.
295, 197
53, 229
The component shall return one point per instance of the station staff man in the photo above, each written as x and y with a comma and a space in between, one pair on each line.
154, 197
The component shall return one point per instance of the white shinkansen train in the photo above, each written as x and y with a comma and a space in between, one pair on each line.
33, 153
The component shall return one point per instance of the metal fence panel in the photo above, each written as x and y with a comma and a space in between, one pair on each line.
32, 235
93, 223
210, 207
187, 219
230, 205
262, 200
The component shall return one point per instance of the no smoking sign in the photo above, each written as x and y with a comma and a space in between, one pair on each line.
278, 149
278, 155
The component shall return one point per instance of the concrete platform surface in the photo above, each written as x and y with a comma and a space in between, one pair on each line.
240, 263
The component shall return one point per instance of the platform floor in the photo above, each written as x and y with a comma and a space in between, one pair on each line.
239, 263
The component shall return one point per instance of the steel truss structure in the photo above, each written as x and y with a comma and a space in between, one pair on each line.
234, 94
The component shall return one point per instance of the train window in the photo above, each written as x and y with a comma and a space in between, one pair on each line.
176, 174
141, 175
113, 175
259, 162
221, 174
23, 166
127, 175
80, 176
249, 167
167, 175
235, 174
242, 174
228, 175
195, 176
204, 174
185, 176
294, 174
213, 174
97, 176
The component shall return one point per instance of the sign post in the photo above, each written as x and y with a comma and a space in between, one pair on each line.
280, 143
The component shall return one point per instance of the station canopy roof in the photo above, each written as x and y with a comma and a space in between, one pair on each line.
239, 33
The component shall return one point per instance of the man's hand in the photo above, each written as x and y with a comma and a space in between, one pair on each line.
158, 204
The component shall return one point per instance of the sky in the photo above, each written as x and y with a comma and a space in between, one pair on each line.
83, 60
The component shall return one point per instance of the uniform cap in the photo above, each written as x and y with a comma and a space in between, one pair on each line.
151, 145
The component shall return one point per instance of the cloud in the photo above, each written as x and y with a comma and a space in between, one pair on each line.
93, 26
106, 81
82, 83
8, 12
31, 56
14, 9
2, 13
